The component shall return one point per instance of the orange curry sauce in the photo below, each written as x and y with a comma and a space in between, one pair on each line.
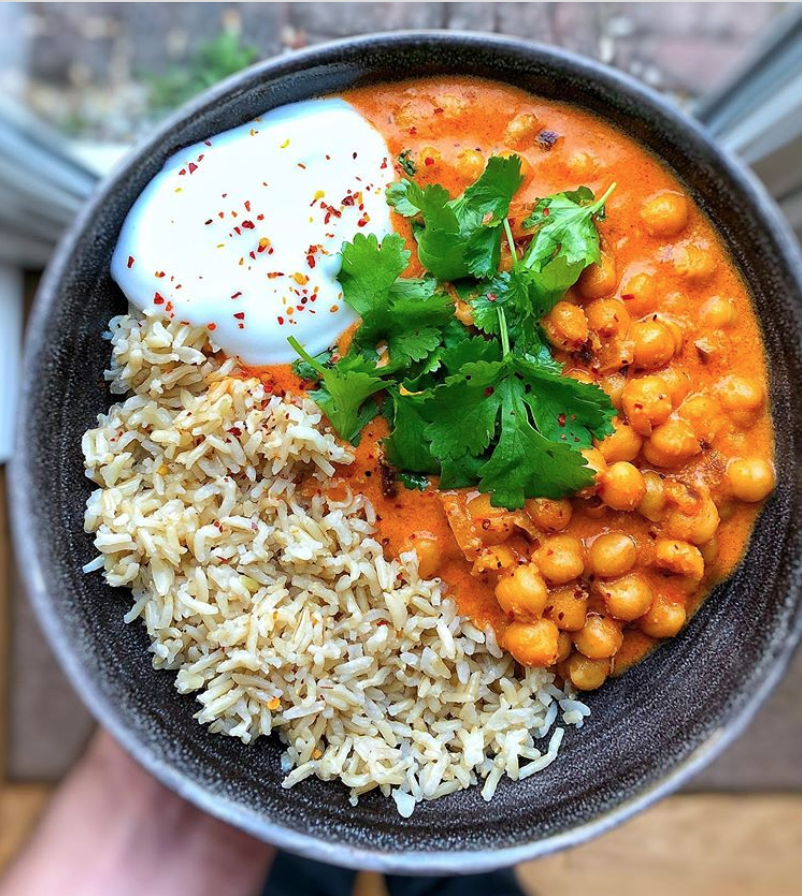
452, 125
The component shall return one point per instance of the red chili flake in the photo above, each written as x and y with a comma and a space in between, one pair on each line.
362, 221
158, 299
236, 295
237, 231
301, 165
328, 157
192, 167
200, 157
240, 315
247, 204
627, 296
211, 326
207, 223
207, 142
241, 326
492, 297
438, 111
221, 214
159, 274
235, 431
383, 164
561, 420
183, 171
130, 261
428, 161
413, 131
248, 225
280, 321
260, 217
488, 391
252, 255
348, 200
168, 307
546, 213
273, 274
313, 297
310, 260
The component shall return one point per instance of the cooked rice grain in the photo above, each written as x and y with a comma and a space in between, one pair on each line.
274, 602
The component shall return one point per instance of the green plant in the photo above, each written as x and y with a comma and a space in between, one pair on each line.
213, 61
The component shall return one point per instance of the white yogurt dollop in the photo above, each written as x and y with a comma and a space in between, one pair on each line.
241, 233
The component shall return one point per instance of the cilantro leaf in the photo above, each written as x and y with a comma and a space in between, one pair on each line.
460, 237
463, 411
305, 370
407, 164
563, 409
343, 392
414, 481
406, 447
396, 196
405, 312
564, 226
525, 463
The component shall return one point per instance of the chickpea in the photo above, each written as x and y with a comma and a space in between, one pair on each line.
672, 444
614, 386
612, 554
654, 500
694, 525
654, 343
470, 165
523, 594
567, 608
608, 317
703, 412
677, 383
627, 598
718, 313
639, 293
521, 130
564, 647
429, 550
582, 165
599, 638
665, 214
751, 479
663, 620
694, 262
533, 643
647, 404
680, 558
709, 551
561, 558
494, 524
623, 444
496, 560
599, 280
549, 514
428, 157
585, 674
622, 486
452, 106
566, 327
742, 398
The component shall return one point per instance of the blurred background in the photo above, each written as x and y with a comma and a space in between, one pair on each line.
81, 82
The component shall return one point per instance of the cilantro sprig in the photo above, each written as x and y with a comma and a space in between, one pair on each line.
483, 406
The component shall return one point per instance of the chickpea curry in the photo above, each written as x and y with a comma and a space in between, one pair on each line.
557, 391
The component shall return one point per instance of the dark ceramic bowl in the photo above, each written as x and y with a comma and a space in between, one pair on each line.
649, 731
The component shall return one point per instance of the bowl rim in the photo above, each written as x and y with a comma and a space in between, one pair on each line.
22, 475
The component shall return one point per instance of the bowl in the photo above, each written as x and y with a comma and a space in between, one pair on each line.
649, 732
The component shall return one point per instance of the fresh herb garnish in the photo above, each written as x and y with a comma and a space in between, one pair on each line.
407, 165
486, 407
